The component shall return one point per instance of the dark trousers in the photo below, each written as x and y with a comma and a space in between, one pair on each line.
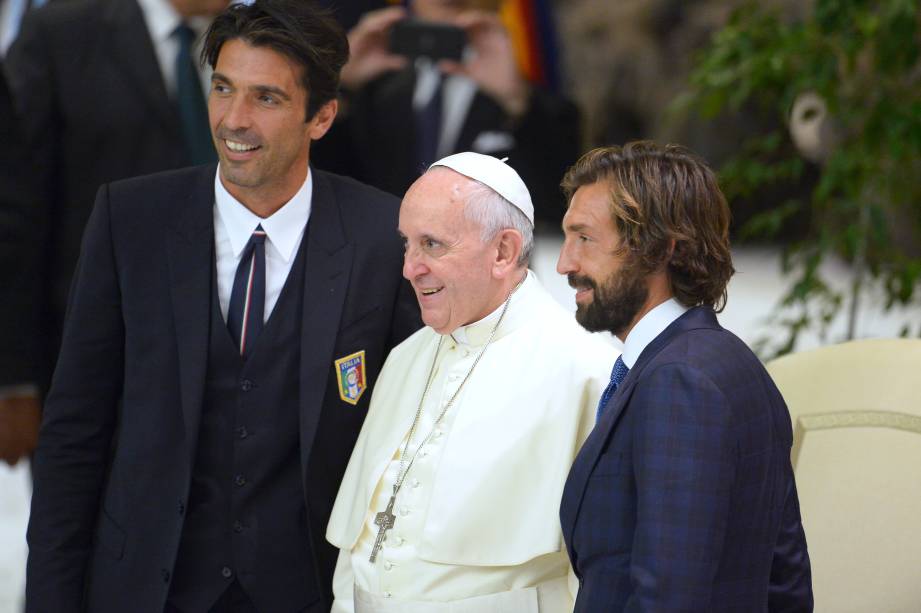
233, 600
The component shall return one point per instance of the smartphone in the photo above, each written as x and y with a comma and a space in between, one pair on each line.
437, 41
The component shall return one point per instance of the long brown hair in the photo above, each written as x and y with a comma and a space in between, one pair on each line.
664, 195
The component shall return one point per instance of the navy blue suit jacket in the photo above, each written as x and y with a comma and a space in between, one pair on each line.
683, 497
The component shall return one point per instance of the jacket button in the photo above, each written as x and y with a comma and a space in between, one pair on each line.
165, 574
246, 385
226, 572
239, 480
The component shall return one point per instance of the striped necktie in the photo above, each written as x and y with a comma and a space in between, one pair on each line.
618, 374
247, 298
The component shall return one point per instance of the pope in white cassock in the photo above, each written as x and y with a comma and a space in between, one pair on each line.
450, 501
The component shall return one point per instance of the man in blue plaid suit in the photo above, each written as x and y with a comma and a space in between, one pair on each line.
683, 497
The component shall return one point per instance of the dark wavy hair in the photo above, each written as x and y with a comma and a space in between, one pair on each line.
660, 195
299, 30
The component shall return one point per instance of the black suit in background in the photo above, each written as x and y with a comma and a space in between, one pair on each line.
19, 248
95, 109
129, 421
375, 140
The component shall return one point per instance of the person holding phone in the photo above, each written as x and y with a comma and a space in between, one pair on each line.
402, 112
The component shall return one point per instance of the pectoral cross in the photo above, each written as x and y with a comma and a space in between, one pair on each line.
385, 521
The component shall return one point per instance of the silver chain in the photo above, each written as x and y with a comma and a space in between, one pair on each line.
401, 473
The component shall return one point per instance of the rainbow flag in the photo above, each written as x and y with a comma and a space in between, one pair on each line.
533, 30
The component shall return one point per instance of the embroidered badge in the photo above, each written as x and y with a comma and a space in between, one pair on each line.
350, 372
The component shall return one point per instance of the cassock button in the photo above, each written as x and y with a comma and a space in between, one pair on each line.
404, 511
237, 527
226, 572
388, 566
416, 483
165, 575
239, 480
246, 385
181, 509
242, 432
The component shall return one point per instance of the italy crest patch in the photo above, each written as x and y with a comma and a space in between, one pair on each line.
350, 373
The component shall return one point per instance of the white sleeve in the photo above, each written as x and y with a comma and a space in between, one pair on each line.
343, 584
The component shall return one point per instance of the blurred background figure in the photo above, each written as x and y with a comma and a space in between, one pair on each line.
401, 113
106, 89
19, 413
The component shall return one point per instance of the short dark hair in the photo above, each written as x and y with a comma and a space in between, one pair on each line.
298, 29
661, 194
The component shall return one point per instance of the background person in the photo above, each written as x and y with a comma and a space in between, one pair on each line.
99, 95
400, 116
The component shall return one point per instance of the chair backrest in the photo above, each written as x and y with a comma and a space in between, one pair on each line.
856, 410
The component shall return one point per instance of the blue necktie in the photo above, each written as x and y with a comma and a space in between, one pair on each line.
193, 111
428, 128
618, 374
247, 298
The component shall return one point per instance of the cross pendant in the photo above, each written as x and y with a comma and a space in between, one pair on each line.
385, 521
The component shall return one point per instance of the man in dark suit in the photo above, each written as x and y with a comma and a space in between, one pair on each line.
401, 116
19, 410
96, 105
683, 497
186, 464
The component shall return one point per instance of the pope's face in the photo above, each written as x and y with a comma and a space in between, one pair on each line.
447, 263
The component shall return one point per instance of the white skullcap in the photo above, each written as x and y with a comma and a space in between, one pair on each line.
493, 173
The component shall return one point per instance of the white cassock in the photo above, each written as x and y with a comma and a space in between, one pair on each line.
477, 518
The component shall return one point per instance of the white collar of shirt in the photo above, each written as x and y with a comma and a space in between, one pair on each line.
162, 20
283, 228
649, 327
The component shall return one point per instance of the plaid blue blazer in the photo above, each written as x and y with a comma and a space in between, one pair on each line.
682, 498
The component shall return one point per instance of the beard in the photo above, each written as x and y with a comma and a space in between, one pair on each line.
616, 301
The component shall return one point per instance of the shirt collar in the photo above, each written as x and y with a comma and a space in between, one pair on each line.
649, 327
283, 228
162, 19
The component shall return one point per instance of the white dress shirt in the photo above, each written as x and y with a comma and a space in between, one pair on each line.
233, 226
162, 20
649, 327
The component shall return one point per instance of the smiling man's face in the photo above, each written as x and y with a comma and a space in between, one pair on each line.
257, 108
611, 290
446, 261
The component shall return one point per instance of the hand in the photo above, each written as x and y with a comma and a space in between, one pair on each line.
20, 418
369, 48
493, 67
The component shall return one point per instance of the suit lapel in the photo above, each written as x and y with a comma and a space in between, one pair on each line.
326, 281
584, 465
125, 29
191, 260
